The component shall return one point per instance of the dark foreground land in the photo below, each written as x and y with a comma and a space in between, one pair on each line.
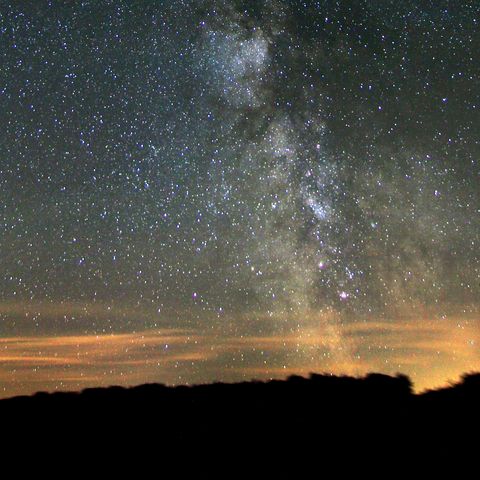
350, 413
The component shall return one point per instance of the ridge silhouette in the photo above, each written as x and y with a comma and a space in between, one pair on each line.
374, 409
320, 424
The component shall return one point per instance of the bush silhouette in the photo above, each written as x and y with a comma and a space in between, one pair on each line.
371, 412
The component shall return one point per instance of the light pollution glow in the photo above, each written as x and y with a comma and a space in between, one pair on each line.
432, 352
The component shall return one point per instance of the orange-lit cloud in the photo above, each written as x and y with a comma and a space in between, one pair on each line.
431, 352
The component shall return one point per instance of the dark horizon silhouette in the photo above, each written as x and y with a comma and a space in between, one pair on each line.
373, 409
401, 381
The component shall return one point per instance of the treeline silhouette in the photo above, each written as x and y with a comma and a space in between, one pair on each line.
376, 411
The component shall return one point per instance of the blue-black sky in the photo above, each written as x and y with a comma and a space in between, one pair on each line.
208, 190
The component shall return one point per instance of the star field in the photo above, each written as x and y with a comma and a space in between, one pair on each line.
255, 188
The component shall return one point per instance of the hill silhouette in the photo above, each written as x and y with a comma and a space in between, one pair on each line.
376, 411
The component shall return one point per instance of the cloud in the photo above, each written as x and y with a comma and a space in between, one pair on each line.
432, 351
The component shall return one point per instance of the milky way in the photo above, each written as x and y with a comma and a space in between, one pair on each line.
209, 190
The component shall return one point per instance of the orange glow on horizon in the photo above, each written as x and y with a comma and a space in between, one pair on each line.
431, 352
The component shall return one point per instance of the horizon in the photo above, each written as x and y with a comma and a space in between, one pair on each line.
176, 356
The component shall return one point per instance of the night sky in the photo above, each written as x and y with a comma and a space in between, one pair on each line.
198, 191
